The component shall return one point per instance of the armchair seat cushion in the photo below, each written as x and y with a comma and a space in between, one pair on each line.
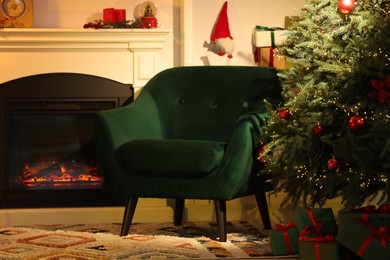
170, 157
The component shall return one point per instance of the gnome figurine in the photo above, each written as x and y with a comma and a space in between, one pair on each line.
221, 40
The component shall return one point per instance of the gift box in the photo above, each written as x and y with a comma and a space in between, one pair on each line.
268, 37
365, 240
289, 20
268, 58
320, 250
324, 250
377, 217
315, 220
284, 240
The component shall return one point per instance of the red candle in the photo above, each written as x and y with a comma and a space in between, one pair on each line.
120, 15
109, 15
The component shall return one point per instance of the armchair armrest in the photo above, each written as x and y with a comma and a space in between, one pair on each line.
117, 126
139, 120
240, 154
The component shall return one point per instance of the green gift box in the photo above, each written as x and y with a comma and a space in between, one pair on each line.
284, 240
329, 250
365, 240
308, 217
370, 214
309, 250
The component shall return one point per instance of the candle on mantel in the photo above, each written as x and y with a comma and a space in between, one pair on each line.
109, 15
120, 15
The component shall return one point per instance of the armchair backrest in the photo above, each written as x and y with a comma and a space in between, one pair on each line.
204, 102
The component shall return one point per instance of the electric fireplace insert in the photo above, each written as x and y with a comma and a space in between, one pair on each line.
47, 151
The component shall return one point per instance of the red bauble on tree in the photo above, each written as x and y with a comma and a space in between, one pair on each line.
296, 90
284, 113
333, 164
357, 123
381, 89
346, 6
260, 151
318, 129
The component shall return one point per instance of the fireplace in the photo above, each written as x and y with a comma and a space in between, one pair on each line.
47, 152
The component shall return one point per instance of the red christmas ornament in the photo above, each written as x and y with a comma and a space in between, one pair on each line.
318, 129
346, 6
296, 90
284, 113
260, 152
381, 89
356, 123
333, 164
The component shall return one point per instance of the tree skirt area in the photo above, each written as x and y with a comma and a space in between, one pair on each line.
145, 241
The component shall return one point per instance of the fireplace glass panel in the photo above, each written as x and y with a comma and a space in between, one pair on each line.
52, 151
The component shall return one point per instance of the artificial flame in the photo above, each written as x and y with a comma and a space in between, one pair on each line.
57, 175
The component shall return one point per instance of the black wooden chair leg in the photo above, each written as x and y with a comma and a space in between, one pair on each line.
220, 212
128, 216
178, 212
263, 208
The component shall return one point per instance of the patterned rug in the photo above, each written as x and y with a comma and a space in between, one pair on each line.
145, 241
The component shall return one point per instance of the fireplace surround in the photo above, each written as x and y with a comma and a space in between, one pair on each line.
47, 154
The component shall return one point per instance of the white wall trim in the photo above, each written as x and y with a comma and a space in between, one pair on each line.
186, 32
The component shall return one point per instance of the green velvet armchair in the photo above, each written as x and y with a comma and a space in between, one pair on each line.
190, 134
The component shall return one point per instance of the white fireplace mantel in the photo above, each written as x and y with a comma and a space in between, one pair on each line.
124, 55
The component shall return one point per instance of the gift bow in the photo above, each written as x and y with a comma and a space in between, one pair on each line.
315, 228
286, 238
380, 234
285, 227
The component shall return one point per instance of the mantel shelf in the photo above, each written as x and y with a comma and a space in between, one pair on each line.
16, 38
130, 56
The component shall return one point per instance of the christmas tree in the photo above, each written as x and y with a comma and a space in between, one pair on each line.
332, 136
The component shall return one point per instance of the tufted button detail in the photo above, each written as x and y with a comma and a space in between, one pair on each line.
245, 104
213, 104
182, 101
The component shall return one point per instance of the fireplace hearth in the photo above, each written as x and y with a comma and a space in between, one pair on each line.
47, 152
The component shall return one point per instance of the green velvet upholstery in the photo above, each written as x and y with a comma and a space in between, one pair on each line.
190, 134
187, 158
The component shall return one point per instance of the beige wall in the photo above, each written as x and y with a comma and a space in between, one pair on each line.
200, 18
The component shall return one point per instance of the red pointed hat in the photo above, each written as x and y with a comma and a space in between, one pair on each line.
221, 27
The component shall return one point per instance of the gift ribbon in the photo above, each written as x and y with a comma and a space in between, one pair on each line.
365, 211
317, 241
380, 234
383, 209
271, 56
286, 238
315, 228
